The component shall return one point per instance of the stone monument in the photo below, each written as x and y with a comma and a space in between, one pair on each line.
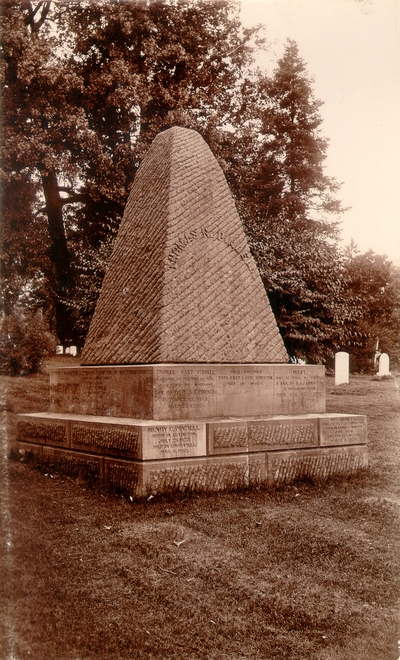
384, 365
185, 381
342, 368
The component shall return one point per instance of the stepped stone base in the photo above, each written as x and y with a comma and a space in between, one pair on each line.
142, 457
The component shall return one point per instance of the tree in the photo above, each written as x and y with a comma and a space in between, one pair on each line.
38, 120
87, 86
288, 203
373, 286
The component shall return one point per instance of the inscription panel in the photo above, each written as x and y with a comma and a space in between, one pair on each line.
184, 392
173, 441
109, 391
245, 390
346, 430
299, 389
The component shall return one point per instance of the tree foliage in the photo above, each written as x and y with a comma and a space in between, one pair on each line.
288, 203
373, 286
87, 86
25, 342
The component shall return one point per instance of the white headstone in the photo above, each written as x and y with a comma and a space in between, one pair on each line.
67, 350
59, 350
341, 368
384, 365
73, 350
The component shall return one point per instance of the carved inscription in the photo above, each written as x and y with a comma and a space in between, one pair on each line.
188, 391
203, 232
343, 431
119, 439
282, 434
298, 390
51, 432
245, 389
173, 441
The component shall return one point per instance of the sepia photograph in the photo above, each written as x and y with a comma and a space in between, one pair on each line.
200, 330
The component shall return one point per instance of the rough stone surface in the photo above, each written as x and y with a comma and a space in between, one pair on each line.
287, 466
140, 457
182, 285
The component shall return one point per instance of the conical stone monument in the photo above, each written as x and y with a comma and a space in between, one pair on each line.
182, 285
185, 382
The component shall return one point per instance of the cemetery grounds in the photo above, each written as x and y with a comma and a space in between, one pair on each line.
308, 571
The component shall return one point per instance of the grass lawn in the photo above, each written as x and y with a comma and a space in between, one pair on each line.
309, 571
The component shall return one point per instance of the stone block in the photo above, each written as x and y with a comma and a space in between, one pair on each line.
101, 435
245, 390
43, 429
202, 474
299, 389
124, 476
287, 432
172, 440
138, 439
342, 361
88, 467
208, 474
227, 437
108, 391
30, 451
337, 429
252, 435
184, 391
188, 391
288, 466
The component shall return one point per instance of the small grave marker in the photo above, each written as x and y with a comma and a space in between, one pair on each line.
384, 365
341, 368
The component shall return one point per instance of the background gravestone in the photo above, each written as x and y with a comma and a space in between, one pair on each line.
384, 365
341, 368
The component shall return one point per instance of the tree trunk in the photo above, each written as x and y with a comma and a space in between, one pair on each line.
58, 254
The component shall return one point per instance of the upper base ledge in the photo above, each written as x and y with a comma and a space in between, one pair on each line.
131, 421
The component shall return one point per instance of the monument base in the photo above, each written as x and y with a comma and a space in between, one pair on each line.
143, 457
188, 391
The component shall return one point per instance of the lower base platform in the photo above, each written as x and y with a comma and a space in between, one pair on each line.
144, 457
